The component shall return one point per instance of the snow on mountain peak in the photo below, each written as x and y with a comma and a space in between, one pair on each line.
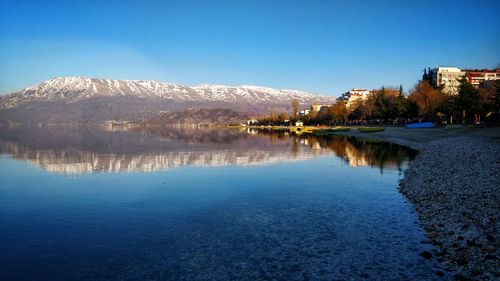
74, 88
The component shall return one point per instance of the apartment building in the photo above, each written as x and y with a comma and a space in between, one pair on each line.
314, 108
354, 95
478, 76
449, 77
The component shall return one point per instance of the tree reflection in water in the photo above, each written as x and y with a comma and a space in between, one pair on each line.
86, 149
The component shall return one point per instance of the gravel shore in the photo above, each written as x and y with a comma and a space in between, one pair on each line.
454, 185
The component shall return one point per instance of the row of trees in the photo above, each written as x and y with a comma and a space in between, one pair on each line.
425, 102
469, 105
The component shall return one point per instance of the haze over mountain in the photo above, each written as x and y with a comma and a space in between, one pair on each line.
201, 116
80, 99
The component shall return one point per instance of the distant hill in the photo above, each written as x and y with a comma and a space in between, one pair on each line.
80, 99
200, 116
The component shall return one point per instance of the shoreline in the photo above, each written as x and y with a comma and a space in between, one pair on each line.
453, 184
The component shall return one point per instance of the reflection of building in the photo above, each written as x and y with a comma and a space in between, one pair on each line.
356, 157
74, 151
252, 131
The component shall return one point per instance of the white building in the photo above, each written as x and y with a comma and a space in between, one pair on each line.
354, 95
252, 121
318, 107
304, 112
448, 78
313, 108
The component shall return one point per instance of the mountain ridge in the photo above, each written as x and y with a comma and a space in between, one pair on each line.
83, 99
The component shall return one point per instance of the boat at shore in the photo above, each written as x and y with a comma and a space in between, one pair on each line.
422, 125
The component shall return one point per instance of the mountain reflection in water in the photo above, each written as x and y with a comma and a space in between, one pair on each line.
74, 150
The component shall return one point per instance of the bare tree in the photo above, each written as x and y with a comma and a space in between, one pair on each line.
427, 98
339, 112
282, 117
273, 117
295, 108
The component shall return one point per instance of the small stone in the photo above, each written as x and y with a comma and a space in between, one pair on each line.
490, 257
426, 255
460, 277
462, 261
472, 243
488, 249
365, 275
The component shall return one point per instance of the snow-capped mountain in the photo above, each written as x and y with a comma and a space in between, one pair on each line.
94, 99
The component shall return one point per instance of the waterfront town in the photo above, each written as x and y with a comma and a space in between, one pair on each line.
250, 140
453, 183
444, 95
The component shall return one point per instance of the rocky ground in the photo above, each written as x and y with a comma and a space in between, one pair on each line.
454, 185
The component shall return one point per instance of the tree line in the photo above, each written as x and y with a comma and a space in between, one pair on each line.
425, 102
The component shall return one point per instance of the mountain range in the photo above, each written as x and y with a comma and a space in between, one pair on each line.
81, 99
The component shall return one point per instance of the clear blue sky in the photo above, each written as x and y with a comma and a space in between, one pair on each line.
324, 47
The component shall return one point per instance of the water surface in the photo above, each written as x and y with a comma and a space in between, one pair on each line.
204, 204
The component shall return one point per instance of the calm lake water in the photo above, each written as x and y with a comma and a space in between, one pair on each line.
204, 204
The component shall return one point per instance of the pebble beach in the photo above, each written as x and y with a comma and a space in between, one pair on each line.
454, 186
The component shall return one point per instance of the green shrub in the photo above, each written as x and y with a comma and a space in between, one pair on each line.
371, 130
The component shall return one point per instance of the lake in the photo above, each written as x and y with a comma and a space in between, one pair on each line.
88, 203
